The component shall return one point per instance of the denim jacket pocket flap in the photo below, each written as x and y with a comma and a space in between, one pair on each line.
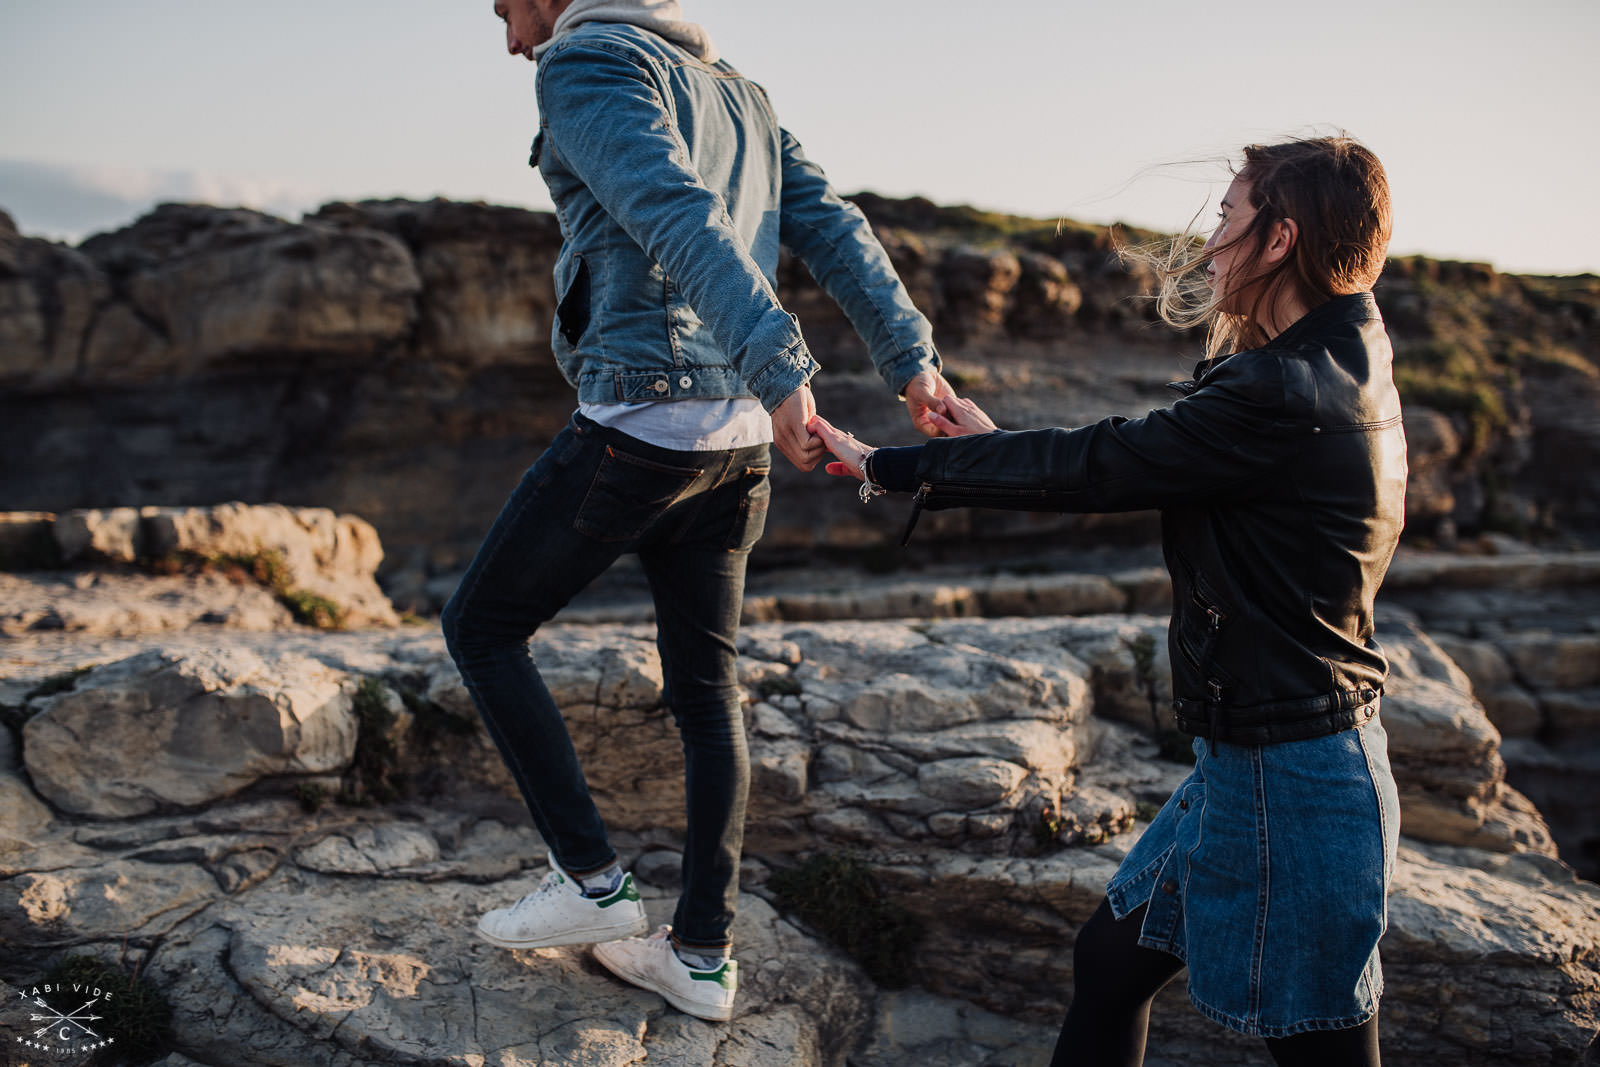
643, 385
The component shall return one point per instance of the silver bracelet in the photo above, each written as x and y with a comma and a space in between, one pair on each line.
869, 488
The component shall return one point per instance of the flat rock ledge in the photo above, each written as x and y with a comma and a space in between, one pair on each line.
88, 571
990, 772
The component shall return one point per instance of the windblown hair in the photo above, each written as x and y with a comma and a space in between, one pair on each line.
1336, 192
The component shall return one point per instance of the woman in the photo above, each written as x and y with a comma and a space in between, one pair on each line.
1280, 475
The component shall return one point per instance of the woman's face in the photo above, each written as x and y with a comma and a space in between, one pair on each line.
1234, 221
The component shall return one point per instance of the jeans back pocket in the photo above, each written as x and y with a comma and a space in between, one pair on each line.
628, 494
755, 493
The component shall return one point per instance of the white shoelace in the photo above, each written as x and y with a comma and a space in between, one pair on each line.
550, 883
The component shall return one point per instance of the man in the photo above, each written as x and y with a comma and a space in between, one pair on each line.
675, 187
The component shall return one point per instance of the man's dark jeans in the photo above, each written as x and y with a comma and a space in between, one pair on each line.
692, 517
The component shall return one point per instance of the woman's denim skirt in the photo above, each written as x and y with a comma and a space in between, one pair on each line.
1267, 873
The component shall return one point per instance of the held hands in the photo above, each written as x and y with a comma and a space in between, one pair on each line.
937, 411
790, 429
849, 451
959, 418
926, 395
803, 436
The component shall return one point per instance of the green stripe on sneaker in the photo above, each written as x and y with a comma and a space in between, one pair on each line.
625, 891
719, 976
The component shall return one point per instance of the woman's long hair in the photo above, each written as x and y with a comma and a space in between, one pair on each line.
1336, 192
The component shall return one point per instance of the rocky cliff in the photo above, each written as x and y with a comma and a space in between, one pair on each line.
285, 829
288, 831
391, 360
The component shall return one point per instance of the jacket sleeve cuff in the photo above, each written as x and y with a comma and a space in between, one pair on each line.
899, 371
782, 375
895, 468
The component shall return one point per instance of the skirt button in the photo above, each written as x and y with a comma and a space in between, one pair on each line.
1169, 887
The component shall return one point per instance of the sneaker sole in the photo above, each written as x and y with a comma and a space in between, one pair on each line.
589, 935
713, 1013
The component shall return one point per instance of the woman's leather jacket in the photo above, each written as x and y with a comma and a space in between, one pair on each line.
1280, 476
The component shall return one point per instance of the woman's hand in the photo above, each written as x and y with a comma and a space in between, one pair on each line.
844, 446
960, 418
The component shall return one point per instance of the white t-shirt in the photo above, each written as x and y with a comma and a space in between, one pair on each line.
688, 425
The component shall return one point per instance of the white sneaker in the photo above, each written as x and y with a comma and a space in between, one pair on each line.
652, 964
557, 913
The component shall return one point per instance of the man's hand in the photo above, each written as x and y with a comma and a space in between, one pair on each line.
790, 432
960, 418
926, 393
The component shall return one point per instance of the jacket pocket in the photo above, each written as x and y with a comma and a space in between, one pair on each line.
572, 314
628, 494
1200, 625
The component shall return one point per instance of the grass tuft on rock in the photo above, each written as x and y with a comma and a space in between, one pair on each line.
373, 777
133, 1011
14, 717
266, 567
839, 897
59, 683
310, 796
310, 609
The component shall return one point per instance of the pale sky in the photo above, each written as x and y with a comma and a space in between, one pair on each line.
1483, 113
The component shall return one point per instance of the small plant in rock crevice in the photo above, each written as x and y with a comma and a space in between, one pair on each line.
1045, 828
430, 723
839, 896
133, 1012
373, 777
266, 567
310, 796
59, 683
312, 609
14, 717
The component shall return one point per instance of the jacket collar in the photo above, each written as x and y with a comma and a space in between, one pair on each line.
1353, 307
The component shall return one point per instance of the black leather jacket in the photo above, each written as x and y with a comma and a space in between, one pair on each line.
1280, 476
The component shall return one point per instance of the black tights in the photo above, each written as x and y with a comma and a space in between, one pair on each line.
1115, 980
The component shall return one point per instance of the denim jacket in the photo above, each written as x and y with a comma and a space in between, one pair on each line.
675, 187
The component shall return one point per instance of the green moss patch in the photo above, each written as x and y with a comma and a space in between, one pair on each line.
838, 896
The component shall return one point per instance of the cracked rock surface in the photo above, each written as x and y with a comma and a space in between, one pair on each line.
292, 834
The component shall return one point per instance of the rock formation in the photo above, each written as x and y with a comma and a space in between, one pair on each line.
282, 563
391, 359
290, 832
227, 762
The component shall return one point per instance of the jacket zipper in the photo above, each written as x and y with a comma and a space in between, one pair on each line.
916, 511
959, 494
1214, 623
